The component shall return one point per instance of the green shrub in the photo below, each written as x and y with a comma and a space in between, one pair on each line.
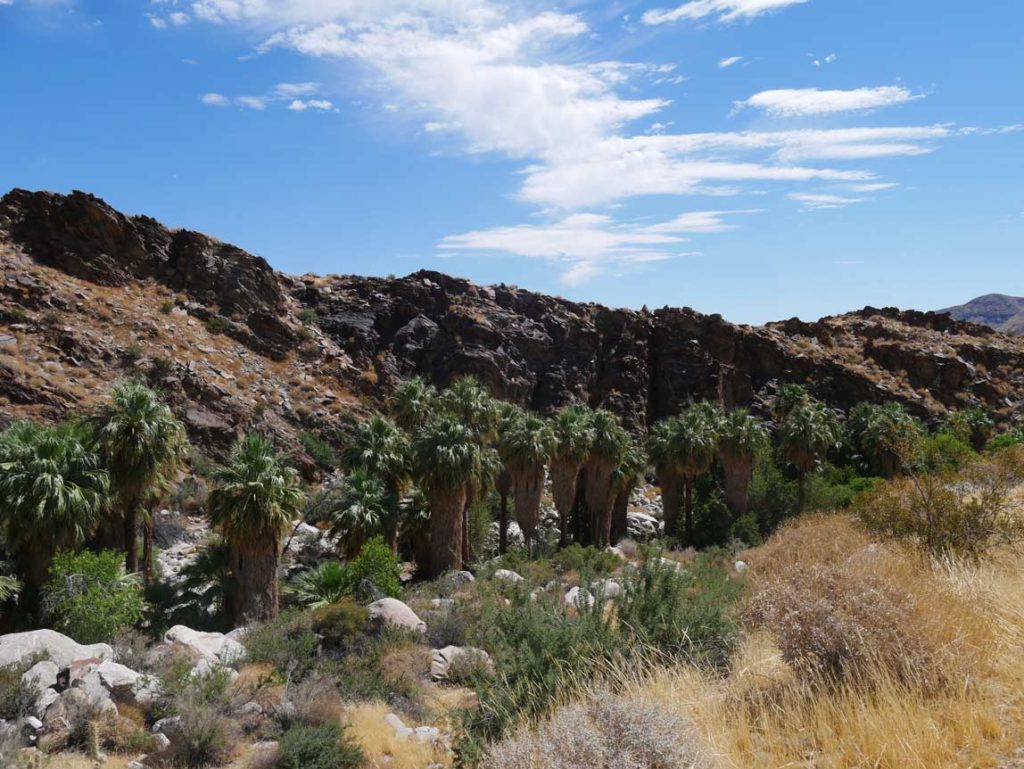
308, 315
90, 598
217, 324
288, 643
773, 496
590, 559
678, 612
377, 564
167, 306
339, 624
944, 452
16, 697
319, 747
319, 449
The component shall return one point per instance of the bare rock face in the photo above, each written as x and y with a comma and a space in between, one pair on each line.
89, 295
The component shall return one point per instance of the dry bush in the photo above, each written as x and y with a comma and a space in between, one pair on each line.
604, 732
384, 748
206, 737
841, 608
313, 701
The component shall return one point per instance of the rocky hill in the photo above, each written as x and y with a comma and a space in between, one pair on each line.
89, 295
999, 311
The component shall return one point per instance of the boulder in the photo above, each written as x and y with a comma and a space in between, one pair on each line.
126, 685
507, 575
213, 647
459, 579
56, 647
579, 598
739, 567
393, 613
442, 659
608, 587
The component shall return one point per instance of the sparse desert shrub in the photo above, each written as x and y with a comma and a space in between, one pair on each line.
590, 559
288, 643
206, 737
308, 315
834, 625
167, 306
90, 598
130, 647
326, 746
132, 352
16, 697
603, 732
963, 514
311, 702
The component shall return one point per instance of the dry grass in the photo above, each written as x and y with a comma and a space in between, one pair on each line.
384, 748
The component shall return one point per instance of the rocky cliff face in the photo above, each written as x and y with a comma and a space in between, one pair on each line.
90, 295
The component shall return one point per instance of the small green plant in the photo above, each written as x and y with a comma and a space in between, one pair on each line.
90, 598
289, 643
132, 352
217, 324
167, 306
319, 449
590, 559
16, 696
326, 746
340, 624
308, 315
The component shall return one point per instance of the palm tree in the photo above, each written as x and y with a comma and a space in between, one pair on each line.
53, 491
806, 435
380, 447
696, 444
142, 444
359, 511
471, 403
607, 448
446, 461
627, 475
787, 397
740, 437
880, 433
255, 499
525, 448
326, 584
413, 403
573, 435
663, 454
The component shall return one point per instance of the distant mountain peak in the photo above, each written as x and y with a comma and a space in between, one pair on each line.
999, 311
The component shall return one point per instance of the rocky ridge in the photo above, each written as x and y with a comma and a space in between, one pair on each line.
89, 295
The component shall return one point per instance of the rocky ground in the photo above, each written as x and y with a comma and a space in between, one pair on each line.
89, 295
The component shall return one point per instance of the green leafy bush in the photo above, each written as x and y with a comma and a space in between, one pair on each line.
379, 565
689, 612
590, 559
90, 598
339, 624
217, 324
288, 643
319, 747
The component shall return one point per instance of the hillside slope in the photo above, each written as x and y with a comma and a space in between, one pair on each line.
999, 311
89, 295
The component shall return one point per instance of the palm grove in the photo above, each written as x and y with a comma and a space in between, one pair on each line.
431, 477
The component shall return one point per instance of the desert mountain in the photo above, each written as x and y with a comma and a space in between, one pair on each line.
999, 311
89, 295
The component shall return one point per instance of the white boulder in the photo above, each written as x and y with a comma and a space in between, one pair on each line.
393, 613
507, 575
213, 647
56, 647
442, 659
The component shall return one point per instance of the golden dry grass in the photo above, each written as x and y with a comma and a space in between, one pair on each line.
763, 716
383, 747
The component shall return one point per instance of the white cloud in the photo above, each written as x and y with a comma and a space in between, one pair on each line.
873, 187
215, 99
281, 93
802, 102
821, 200
728, 62
725, 10
586, 245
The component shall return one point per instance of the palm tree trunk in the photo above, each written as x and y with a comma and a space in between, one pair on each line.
801, 486
466, 555
599, 500
688, 510
34, 565
254, 566
391, 524
671, 485
503, 523
147, 548
620, 512
564, 475
131, 536
446, 508
738, 472
528, 487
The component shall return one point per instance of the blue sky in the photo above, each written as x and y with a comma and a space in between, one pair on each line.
756, 158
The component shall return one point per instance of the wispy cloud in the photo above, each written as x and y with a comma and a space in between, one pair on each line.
289, 93
723, 10
730, 61
587, 245
802, 102
822, 200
